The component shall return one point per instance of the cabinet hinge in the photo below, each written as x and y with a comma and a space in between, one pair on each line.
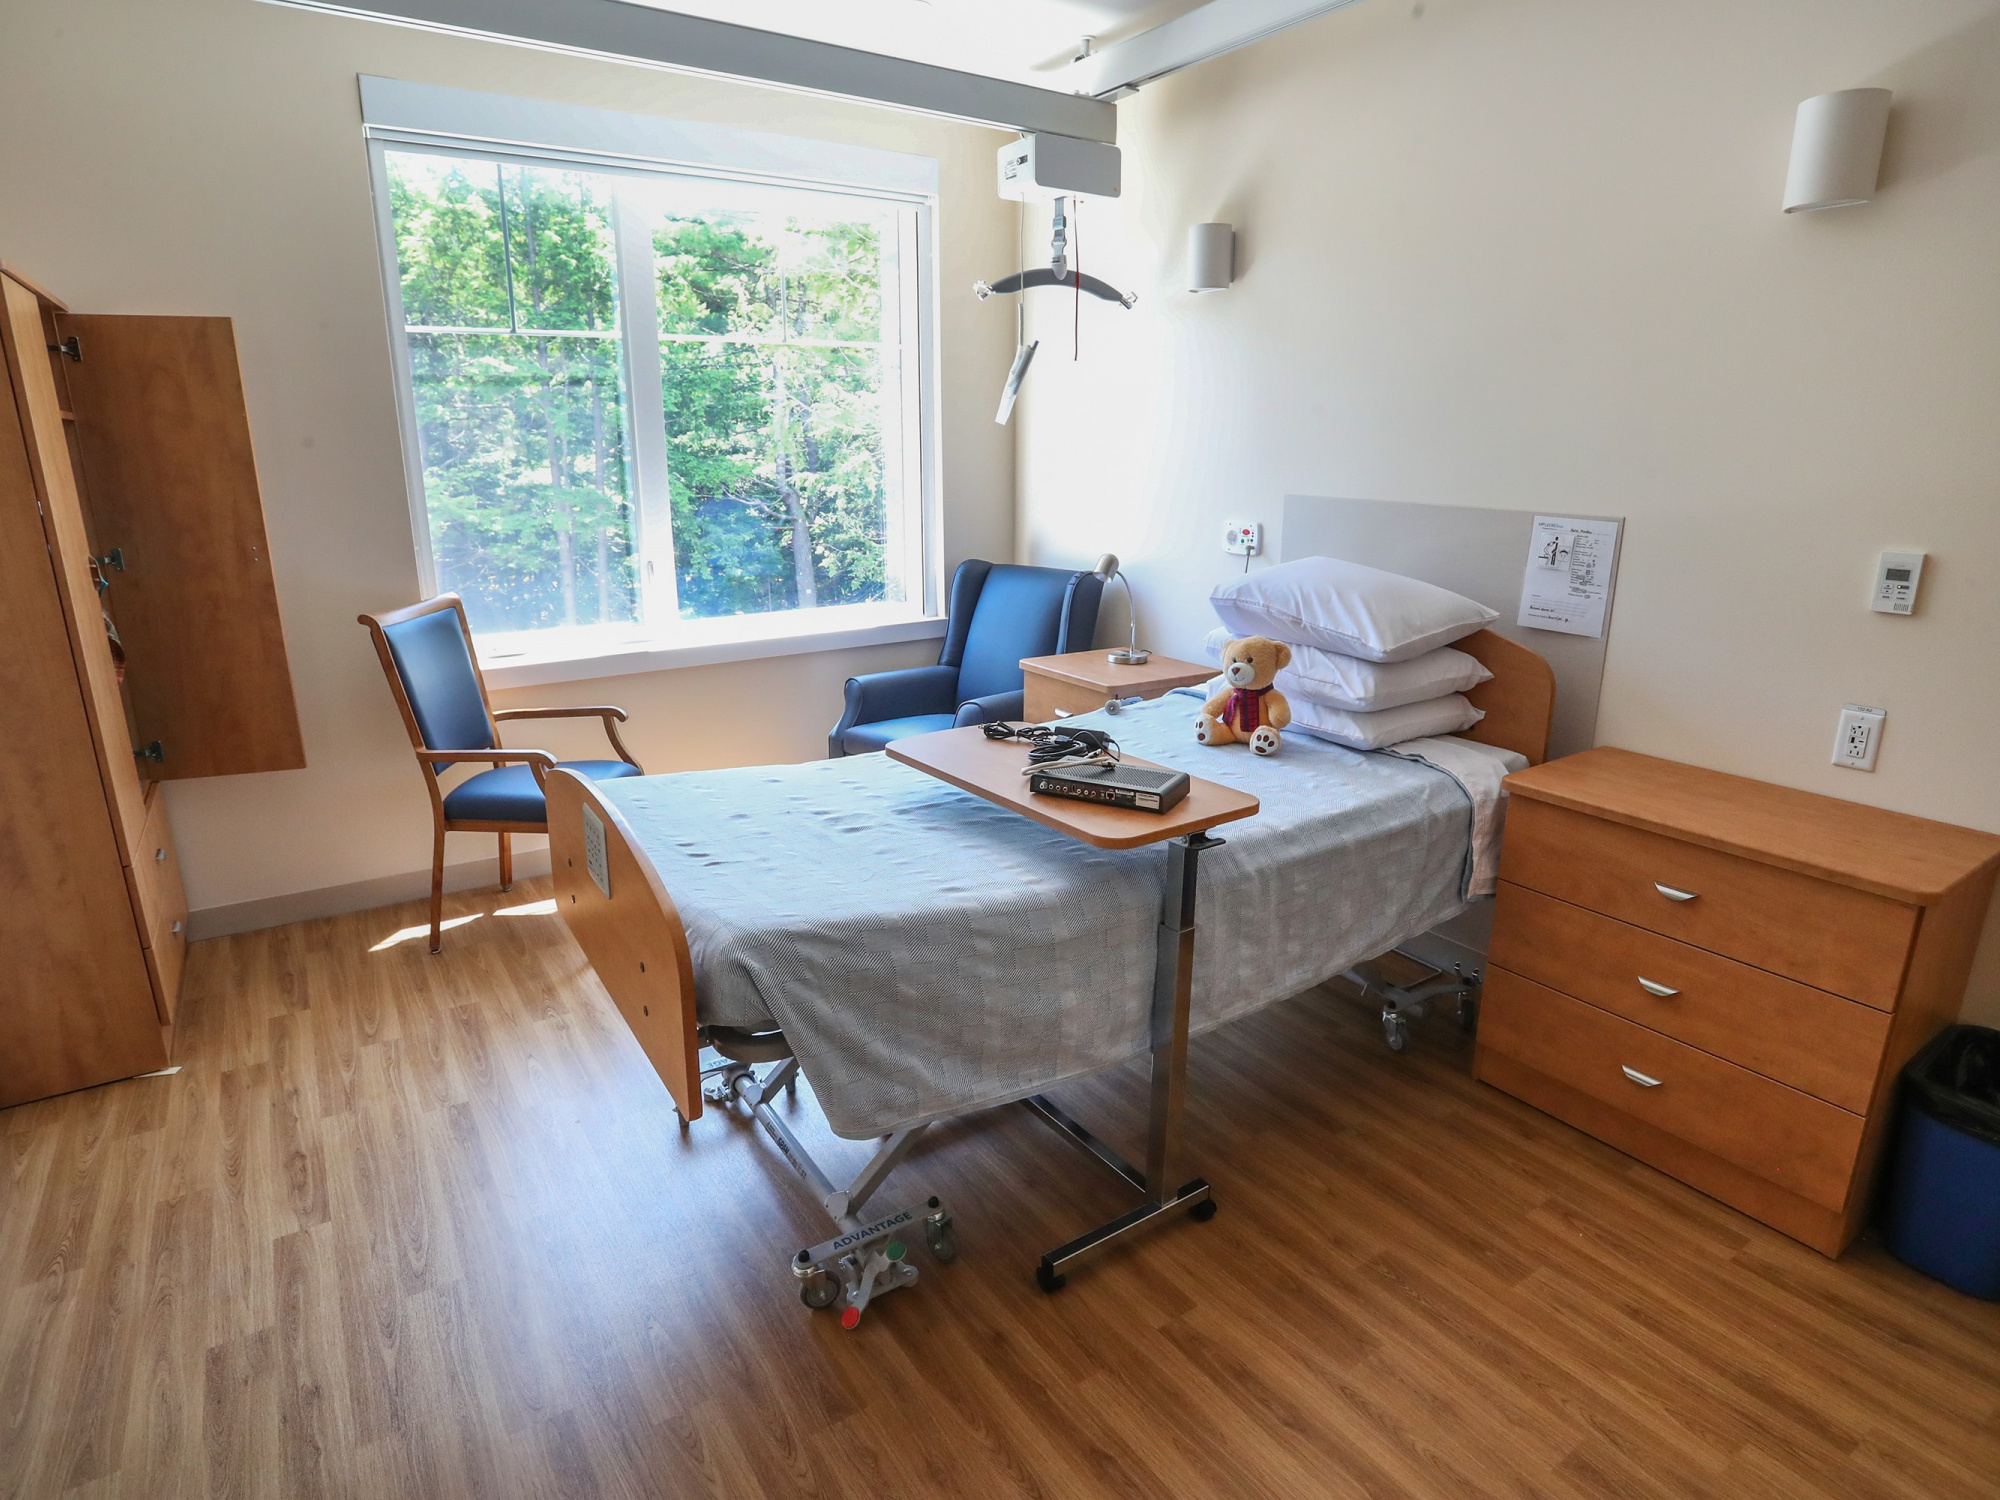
154, 752
71, 346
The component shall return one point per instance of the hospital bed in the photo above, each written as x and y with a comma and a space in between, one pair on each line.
920, 953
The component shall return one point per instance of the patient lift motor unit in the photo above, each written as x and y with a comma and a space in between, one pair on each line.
1044, 168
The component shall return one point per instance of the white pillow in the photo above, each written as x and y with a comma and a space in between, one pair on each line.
1374, 731
1345, 607
1364, 686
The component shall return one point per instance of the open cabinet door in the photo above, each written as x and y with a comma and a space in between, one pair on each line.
165, 444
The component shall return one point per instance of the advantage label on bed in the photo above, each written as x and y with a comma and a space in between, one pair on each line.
594, 858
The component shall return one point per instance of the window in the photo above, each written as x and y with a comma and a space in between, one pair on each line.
651, 406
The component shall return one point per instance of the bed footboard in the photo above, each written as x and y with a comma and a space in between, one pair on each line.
626, 924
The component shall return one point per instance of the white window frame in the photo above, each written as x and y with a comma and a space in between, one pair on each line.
459, 122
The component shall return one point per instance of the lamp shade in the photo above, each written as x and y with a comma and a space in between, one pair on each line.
1211, 257
1836, 150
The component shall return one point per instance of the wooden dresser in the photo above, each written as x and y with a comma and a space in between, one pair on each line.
1722, 977
142, 643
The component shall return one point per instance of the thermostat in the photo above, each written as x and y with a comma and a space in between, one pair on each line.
1896, 577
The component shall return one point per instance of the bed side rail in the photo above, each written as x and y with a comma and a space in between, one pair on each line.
627, 926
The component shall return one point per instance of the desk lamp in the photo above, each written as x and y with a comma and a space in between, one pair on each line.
1127, 655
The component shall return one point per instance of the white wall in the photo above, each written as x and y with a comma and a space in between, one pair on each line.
1528, 253
206, 157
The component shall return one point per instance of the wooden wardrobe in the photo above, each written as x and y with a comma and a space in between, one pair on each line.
139, 641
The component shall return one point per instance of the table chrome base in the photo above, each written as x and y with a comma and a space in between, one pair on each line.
1193, 1196
1173, 980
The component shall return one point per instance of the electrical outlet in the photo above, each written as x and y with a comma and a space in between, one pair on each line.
1860, 736
1243, 541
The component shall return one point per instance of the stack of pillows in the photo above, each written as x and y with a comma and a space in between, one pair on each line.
1372, 663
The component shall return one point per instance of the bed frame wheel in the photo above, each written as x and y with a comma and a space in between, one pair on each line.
1395, 1030
1203, 1211
821, 1294
1050, 1281
1468, 1013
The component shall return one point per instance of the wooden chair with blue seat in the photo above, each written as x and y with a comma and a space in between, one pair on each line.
999, 613
426, 652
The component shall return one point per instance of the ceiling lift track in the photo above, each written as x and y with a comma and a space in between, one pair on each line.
642, 34
1204, 33
631, 33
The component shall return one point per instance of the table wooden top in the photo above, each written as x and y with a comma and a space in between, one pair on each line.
992, 769
1870, 848
1091, 669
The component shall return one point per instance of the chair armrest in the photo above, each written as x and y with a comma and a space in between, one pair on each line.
540, 762
994, 708
876, 696
611, 716
597, 711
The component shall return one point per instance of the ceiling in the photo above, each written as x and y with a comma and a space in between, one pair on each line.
1028, 41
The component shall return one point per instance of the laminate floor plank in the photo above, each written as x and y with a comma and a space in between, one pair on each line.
426, 1226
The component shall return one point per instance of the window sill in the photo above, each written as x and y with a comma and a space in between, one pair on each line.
536, 658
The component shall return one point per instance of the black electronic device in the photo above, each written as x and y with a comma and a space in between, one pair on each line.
1147, 788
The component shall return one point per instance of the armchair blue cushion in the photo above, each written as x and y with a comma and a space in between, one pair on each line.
434, 659
508, 794
999, 613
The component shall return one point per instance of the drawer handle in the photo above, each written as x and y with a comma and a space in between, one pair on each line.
1641, 1079
1673, 895
1654, 987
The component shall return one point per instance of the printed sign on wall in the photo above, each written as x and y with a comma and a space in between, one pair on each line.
1568, 579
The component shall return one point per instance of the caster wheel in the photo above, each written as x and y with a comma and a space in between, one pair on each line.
1395, 1030
1203, 1211
821, 1296
1468, 1013
942, 1242
1050, 1281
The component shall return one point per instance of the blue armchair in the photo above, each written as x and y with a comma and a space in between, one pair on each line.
999, 613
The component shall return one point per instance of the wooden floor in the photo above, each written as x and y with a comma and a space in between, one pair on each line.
407, 1226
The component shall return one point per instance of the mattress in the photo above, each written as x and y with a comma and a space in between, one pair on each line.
928, 953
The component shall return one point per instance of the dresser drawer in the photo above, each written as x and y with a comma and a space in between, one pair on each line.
1815, 1042
1800, 1143
1830, 936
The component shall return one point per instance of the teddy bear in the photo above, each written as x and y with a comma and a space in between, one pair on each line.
1249, 708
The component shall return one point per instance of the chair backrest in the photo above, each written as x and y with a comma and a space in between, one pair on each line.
428, 655
1015, 612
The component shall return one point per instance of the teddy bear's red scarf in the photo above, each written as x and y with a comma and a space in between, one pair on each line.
1245, 709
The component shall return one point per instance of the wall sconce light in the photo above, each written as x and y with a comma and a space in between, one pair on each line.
1211, 257
1836, 150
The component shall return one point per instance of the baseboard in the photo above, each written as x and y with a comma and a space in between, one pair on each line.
360, 895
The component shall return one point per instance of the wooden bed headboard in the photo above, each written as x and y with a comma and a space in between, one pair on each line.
1520, 700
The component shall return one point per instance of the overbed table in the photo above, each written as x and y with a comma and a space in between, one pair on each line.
992, 769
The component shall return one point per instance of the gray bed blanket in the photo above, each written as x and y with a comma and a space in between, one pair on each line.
928, 953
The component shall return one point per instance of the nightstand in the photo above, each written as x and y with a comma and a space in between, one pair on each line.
1722, 977
1080, 682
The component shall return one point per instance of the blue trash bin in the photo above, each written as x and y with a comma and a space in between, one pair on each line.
1943, 1212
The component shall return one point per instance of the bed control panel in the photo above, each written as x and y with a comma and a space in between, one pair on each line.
595, 857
